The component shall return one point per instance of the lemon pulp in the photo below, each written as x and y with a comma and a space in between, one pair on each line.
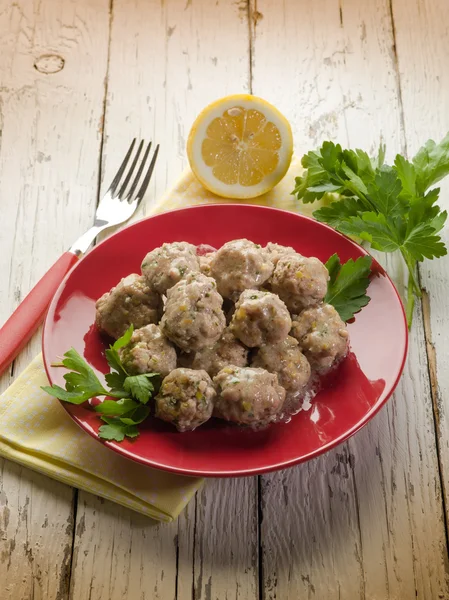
241, 146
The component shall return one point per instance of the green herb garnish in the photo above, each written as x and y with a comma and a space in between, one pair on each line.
131, 393
348, 284
391, 207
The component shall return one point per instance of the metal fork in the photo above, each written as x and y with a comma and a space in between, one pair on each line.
117, 206
121, 199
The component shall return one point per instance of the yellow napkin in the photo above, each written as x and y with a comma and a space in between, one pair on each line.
36, 432
189, 191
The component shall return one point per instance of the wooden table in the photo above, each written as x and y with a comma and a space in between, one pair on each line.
79, 78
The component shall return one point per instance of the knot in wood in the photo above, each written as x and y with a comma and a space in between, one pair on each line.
48, 64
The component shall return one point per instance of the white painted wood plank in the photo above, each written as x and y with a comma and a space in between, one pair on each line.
311, 544
160, 77
354, 523
50, 121
422, 64
186, 550
413, 540
120, 554
226, 540
36, 524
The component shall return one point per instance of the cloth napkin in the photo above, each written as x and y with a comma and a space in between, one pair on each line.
36, 432
188, 191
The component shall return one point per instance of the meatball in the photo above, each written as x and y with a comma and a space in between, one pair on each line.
260, 318
205, 261
227, 351
288, 362
240, 265
163, 267
130, 302
276, 251
186, 399
148, 351
299, 281
248, 396
322, 336
193, 317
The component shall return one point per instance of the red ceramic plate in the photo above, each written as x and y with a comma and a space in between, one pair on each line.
358, 389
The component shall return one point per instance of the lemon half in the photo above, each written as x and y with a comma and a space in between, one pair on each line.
240, 146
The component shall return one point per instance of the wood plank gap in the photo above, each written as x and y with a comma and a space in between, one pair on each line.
260, 573
74, 513
177, 564
252, 16
432, 369
398, 78
194, 545
407, 500
251, 35
105, 102
359, 525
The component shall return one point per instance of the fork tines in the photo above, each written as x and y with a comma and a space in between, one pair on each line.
117, 190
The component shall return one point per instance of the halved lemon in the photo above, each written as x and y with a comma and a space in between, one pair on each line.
240, 146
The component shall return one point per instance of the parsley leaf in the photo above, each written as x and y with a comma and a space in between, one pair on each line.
384, 192
339, 211
115, 380
374, 228
431, 163
333, 265
116, 408
81, 383
117, 428
116, 431
348, 284
388, 206
407, 175
140, 386
132, 431
136, 416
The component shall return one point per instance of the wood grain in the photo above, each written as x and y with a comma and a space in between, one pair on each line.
364, 521
226, 540
185, 552
36, 525
53, 61
180, 56
422, 41
121, 554
79, 80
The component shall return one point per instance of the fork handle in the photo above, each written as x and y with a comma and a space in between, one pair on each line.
30, 313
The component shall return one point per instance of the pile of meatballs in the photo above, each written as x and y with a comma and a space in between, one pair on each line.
238, 333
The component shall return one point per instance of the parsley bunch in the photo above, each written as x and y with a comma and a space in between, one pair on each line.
128, 395
391, 207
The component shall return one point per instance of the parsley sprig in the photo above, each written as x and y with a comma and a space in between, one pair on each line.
128, 395
347, 286
391, 207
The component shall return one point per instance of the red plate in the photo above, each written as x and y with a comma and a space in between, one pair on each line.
361, 385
